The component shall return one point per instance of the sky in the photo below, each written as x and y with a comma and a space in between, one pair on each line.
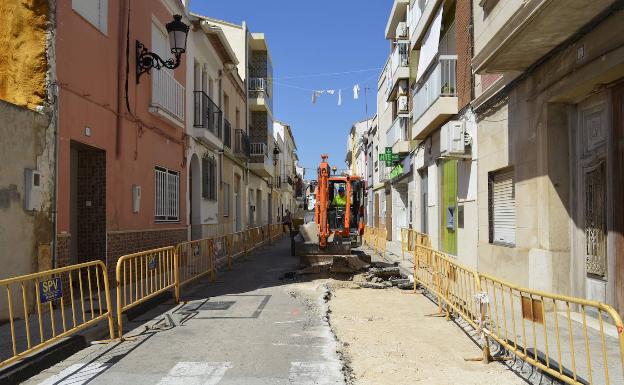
309, 38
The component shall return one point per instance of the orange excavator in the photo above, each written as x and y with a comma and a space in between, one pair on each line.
338, 222
339, 205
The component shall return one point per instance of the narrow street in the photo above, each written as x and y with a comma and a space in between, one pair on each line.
254, 327
247, 328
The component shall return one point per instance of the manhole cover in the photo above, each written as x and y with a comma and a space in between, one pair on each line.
217, 305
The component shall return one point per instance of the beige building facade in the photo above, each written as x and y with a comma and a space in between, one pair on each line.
549, 110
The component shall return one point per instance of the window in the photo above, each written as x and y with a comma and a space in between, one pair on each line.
94, 11
226, 200
502, 207
209, 178
167, 190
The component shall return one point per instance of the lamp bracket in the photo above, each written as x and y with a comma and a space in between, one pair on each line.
146, 60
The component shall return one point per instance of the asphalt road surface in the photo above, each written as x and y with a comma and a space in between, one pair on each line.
248, 328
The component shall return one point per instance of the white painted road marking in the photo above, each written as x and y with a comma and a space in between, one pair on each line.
196, 373
77, 374
314, 373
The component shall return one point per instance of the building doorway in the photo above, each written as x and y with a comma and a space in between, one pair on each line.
87, 203
594, 256
448, 206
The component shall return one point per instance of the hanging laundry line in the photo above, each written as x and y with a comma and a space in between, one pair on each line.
326, 74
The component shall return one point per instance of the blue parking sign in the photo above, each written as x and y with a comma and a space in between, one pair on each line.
50, 289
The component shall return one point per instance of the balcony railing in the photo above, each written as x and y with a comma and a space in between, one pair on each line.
207, 114
259, 149
241, 143
227, 133
398, 131
400, 56
168, 94
259, 87
440, 80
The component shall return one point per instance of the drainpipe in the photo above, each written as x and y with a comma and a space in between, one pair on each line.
120, 81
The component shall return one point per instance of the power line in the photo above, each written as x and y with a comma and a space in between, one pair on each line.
326, 74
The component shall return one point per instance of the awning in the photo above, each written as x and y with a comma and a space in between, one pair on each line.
431, 41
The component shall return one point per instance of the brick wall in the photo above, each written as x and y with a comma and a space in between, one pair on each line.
463, 29
122, 243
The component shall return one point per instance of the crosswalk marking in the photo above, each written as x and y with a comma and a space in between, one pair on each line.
196, 373
77, 374
315, 373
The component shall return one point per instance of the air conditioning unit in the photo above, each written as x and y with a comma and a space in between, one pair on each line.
403, 104
403, 87
453, 140
401, 31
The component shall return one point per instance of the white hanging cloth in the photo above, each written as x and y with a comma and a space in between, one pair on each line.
340, 97
356, 91
331, 92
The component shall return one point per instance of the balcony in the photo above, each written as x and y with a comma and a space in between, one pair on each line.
208, 120
423, 14
398, 135
259, 160
399, 70
260, 94
516, 37
167, 97
435, 97
397, 15
227, 134
241, 143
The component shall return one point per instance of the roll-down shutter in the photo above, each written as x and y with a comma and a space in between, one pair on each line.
503, 208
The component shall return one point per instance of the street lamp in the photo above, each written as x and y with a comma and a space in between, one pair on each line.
276, 153
147, 60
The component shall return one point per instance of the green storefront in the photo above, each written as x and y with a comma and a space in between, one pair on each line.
448, 205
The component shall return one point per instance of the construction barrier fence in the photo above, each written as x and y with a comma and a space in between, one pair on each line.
144, 275
45, 307
42, 308
574, 340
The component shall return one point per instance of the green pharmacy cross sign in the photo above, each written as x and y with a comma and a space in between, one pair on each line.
389, 157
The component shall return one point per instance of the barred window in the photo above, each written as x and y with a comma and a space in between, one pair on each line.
167, 190
209, 178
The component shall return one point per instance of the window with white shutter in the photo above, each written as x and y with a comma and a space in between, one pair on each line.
502, 207
94, 11
167, 194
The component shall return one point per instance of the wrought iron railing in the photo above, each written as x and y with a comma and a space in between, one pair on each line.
259, 149
241, 143
259, 87
227, 134
207, 114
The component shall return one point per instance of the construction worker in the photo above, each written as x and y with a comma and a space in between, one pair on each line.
340, 200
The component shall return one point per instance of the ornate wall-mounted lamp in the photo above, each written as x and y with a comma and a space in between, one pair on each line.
147, 60
276, 153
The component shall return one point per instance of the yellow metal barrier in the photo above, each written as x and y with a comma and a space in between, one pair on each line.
63, 301
566, 337
196, 259
236, 244
141, 276
554, 332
